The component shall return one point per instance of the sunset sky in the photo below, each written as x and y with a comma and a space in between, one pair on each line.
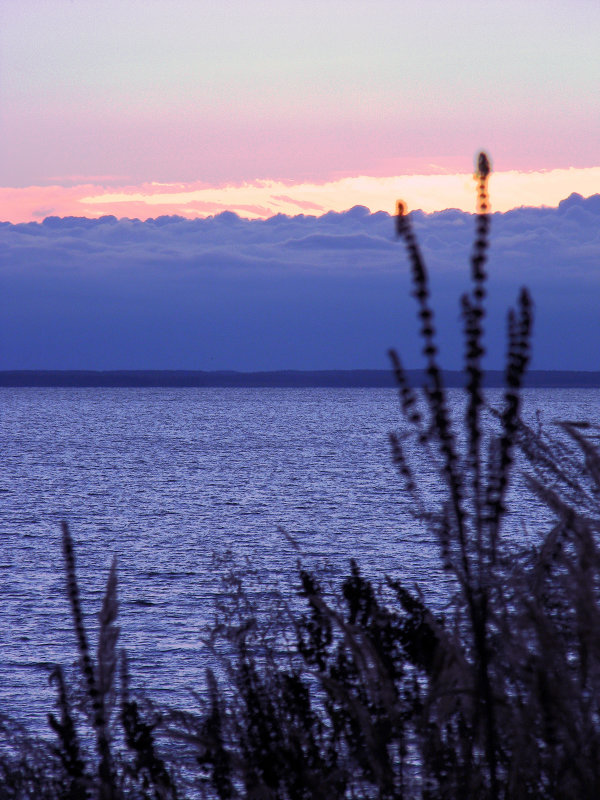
156, 119
143, 108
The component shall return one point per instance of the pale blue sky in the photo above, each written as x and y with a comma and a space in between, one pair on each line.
187, 91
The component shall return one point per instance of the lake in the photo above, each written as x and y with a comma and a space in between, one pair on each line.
183, 485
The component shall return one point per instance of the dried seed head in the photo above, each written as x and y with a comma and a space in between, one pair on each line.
483, 165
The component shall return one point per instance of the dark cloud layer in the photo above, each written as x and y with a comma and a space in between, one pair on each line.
330, 292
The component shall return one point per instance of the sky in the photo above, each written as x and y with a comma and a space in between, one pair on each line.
202, 185
193, 107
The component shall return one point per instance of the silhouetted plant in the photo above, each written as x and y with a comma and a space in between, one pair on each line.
69, 750
98, 680
405, 703
126, 763
148, 770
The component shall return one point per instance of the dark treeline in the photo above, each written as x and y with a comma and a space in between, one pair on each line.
365, 378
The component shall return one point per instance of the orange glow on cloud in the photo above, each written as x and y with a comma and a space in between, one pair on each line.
262, 199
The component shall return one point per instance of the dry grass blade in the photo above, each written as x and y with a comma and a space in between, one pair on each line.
107, 638
105, 772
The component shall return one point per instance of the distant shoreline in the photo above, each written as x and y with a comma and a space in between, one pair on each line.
362, 378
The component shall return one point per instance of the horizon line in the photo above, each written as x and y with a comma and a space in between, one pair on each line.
283, 378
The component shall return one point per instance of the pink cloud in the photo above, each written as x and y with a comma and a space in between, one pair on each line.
306, 205
262, 199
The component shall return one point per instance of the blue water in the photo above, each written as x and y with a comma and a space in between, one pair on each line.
183, 485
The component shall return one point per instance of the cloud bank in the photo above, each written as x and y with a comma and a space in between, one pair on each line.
289, 292
261, 199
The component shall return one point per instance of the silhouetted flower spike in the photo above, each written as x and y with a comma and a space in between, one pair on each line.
435, 392
69, 749
402, 464
408, 398
107, 787
519, 336
483, 164
473, 315
400, 217
107, 637
483, 221
80, 632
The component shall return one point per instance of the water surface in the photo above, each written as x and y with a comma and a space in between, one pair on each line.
182, 485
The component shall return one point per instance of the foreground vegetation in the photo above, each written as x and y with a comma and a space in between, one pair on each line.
369, 692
